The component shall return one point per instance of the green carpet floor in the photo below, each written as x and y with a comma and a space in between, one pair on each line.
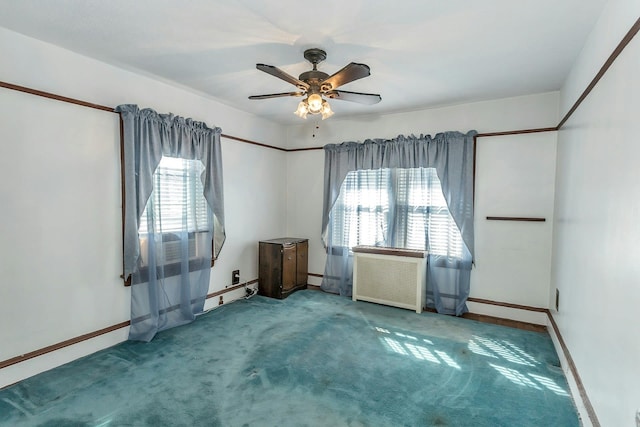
313, 359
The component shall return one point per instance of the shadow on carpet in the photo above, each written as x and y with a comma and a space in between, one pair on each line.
313, 359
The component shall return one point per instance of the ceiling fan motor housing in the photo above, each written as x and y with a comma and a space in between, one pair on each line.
314, 77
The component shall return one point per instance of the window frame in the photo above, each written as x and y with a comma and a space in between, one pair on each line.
169, 269
392, 217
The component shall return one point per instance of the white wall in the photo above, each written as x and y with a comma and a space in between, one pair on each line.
61, 248
595, 250
515, 178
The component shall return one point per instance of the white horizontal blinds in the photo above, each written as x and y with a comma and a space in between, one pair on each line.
413, 197
177, 198
405, 205
361, 213
422, 210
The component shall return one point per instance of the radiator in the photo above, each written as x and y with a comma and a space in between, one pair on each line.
390, 276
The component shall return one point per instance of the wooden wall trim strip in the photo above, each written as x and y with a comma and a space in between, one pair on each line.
290, 150
84, 337
617, 51
123, 193
479, 135
248, 141
565, 350
63, 344
507, 304
56, 97
572, 366
614, 55
94, 334
74, 101
516, 132
515, 218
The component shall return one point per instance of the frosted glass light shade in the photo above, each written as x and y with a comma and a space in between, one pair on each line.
302, 110
326, 110
314, 102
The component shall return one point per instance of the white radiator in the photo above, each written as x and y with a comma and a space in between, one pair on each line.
390, 276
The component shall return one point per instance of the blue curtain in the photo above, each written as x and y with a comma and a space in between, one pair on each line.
450, 154
169, 265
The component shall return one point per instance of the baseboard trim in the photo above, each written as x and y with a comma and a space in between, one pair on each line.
63, 344
575, 376
563, 349
75, 340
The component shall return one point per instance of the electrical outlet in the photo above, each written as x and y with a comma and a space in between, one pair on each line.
221, 301
235, 277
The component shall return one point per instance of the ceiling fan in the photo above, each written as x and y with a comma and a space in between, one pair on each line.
316, 85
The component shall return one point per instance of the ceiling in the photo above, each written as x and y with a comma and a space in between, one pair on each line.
422, 53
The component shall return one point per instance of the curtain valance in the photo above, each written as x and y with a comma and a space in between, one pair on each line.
148, 135
450, 153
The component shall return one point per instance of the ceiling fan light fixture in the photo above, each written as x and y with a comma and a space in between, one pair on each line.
326, 110
302, 110
314, 103
316, 85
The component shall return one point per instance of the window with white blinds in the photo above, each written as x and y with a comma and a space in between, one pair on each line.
421, 211
395, 207
361, 213
177, 198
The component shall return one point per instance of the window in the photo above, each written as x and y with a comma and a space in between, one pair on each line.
176, 206
361, 213
395, 207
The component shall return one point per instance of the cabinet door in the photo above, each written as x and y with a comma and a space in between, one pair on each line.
303, 262
288, 267
270, 274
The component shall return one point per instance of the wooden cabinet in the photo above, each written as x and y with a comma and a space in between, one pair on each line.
283, 266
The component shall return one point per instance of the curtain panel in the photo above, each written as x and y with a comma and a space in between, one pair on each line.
451, 155
163, 295
148, 136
